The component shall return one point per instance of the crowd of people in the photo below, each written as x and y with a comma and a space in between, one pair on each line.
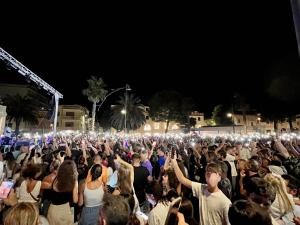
155, 180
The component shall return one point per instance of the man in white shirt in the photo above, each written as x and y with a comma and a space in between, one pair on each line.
213, 204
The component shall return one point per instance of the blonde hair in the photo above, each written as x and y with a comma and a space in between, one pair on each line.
23, 214
124, 180
285, 203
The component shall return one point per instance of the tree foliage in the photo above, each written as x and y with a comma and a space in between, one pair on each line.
21, 108
169, 105
95, 92
219, 115
135, 113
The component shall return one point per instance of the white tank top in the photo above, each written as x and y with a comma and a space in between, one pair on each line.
93, 197
24, 196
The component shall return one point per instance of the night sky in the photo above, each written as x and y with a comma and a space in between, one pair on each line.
198, 51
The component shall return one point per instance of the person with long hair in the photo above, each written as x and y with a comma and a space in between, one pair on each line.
64, 191
159, 213
30, 188
125, 181
47, 184
170, 181
283, 206
91, 195
185, 208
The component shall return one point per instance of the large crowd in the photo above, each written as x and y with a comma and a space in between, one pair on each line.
156, 180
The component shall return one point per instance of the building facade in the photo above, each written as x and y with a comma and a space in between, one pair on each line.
199, 118
72, 117
2, 118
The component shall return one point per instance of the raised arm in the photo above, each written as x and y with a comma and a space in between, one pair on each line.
167, 162
128, 166
182, 179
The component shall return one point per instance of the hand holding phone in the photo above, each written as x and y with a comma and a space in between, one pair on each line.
5, 188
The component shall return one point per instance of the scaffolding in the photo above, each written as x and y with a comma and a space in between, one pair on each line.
28, 74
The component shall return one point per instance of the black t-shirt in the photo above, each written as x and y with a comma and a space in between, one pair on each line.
140, 182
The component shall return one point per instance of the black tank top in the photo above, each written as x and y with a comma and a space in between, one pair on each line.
59, 198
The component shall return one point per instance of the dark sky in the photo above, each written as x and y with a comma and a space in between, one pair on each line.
198, 51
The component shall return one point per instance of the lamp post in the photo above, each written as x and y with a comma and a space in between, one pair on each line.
124, 111
230, 115
127, 88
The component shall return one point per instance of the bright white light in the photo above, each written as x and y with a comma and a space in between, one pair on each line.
27, 135
229, 115
147, 127
123, 111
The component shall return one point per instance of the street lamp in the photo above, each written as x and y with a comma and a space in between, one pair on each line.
127, 88
123, 111
230, 115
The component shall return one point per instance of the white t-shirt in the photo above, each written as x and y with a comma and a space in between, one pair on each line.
230, 159
213, 207
245, 153
159, 213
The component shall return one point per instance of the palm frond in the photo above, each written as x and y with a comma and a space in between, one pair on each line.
135, 113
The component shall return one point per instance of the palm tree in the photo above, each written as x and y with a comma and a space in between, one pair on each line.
135, 113
21, 108
95, 92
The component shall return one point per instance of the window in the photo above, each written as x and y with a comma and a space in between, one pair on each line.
69, 124
175, 127
251, 124
70, 114
147, 117
57, 124
239, 120
147, 127
199, 119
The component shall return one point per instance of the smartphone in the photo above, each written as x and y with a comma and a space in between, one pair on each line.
5, 188
143, 215
151, 199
